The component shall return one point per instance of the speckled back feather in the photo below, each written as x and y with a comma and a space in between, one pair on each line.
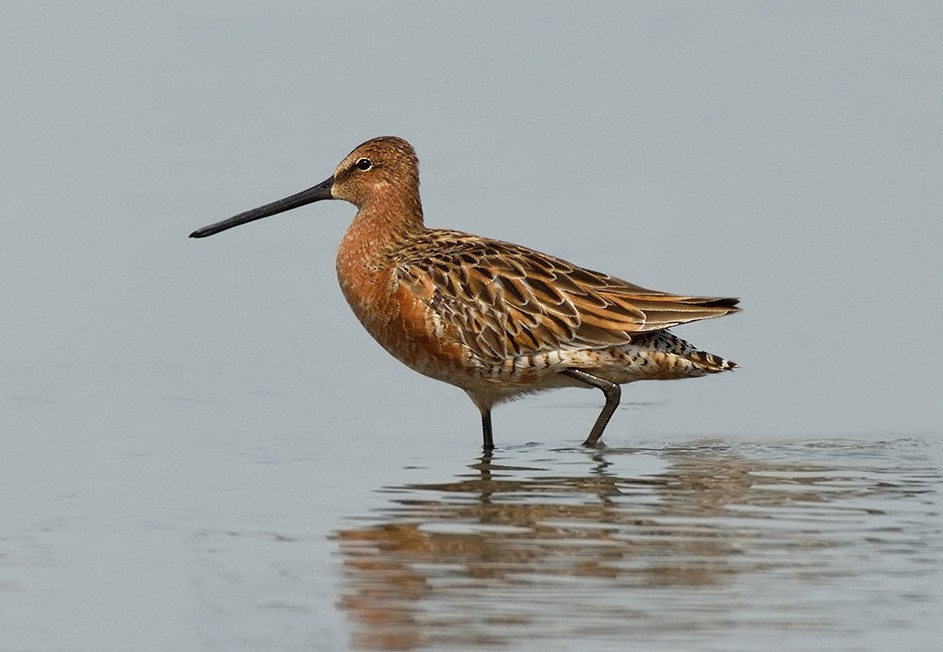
505, 300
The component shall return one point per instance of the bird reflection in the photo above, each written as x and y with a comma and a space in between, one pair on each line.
516, 545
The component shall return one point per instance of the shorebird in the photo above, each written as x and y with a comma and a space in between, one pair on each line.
496, 319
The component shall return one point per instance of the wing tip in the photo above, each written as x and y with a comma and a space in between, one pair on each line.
723, 302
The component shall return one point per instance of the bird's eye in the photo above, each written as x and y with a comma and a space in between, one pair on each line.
364, 164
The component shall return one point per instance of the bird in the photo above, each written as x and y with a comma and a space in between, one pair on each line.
496, 319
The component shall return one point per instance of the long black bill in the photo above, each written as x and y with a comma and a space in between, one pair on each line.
317, 193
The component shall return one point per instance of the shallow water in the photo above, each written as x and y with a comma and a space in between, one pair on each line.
698, 545
194, 508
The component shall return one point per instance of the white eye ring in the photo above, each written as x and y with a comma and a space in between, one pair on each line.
363, 164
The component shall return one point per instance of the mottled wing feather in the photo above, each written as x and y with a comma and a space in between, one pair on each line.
505, 300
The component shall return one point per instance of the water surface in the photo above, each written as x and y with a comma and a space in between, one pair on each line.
705, 544
223, 509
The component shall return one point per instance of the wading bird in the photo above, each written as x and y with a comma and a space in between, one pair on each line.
495, 319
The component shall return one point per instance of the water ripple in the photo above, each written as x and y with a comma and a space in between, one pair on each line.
711, 543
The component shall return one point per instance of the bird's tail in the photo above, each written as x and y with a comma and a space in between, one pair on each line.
708, 361
698, 362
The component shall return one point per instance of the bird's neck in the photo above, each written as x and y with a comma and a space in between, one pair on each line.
377, 234
387, 223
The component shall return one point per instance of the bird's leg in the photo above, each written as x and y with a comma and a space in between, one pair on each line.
613, 393
487, 439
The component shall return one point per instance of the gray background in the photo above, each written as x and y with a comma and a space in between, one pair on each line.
789, 154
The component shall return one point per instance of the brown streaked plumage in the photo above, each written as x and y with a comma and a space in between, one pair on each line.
495, 319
